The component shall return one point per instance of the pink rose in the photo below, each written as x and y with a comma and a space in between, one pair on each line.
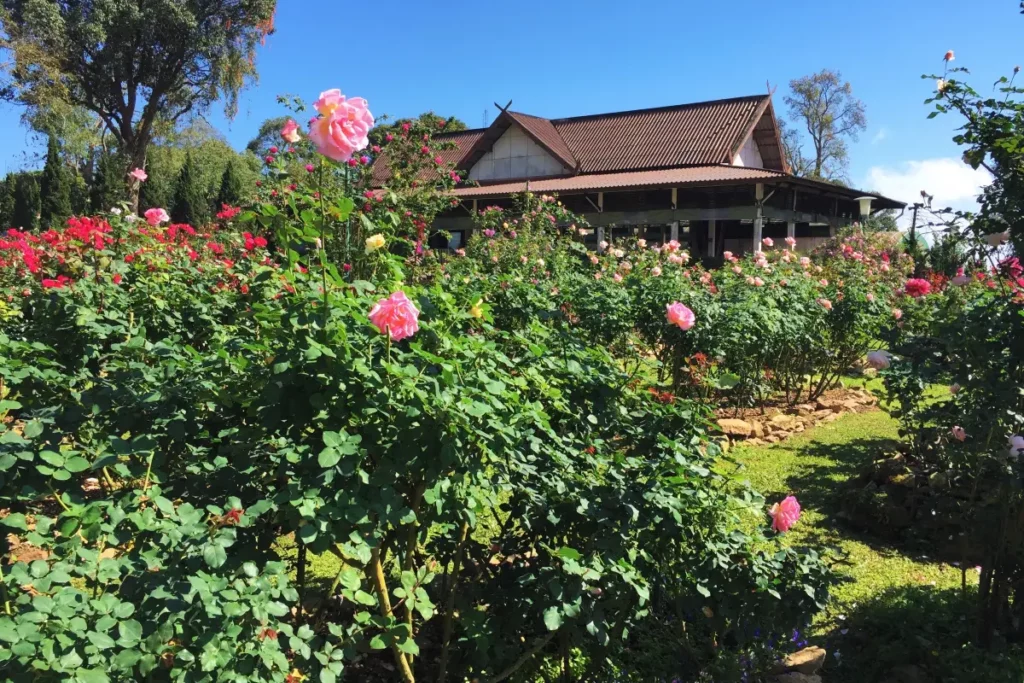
791, 241
1016, 445
825, 303
680, 315
139, 175
617, 277
342, 127
656, 271
156, 216
897, 313
805, 261
758, 282
958, 433
768, 242
396, 315
870, 296
785, 514
290, 132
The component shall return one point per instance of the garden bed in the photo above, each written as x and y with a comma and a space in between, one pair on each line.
777, 421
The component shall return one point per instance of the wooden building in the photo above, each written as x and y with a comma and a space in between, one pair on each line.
709, 174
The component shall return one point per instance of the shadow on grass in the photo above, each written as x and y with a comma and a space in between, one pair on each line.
917, 633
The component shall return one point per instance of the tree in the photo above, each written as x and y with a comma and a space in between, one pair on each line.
231, 187
883, 221
269, 134
26, 202
133, 64
108, 188
379, 133
824, 105
191, 204
54, 187
799, 165
7, 201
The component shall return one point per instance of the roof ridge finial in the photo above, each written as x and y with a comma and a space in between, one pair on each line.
503, 110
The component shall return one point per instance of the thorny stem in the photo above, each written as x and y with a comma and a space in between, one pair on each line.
410, 546
381, 586
449, 609
3, 587
537, 646
149, 470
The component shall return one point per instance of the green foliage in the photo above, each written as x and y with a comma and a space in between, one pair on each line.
86, 54
191, 203
55, 187
824, 106
108, 187
232, 187
25, 214
427, 120
7, 186
181, 407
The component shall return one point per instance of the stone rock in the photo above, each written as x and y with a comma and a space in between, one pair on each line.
783, 421
830, 418
804, 409
734, 427
819, 414
806, 661
851, 405
797, 677
823, 404
757, 429
754, 441
772, 438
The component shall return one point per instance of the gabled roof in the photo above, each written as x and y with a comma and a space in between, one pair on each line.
684, 135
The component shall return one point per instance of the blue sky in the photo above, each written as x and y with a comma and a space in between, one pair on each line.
568, 57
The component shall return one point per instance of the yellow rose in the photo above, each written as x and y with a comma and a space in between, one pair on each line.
477, 310
374, 243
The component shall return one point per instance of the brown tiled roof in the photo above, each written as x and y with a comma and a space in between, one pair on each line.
671, 177
683, 135
697, 134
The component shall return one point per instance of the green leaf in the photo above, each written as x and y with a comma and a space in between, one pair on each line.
568, 553
553, 618
100, 640
130, 631
329, 457
91, 676
214, 555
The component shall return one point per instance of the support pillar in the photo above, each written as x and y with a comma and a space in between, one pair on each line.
600, 237
674, 231
758, 215
791, 229
712, 243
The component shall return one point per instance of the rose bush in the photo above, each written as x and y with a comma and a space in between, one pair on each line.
182, 403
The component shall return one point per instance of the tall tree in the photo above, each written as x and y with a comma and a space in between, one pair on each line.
26, 202
108, 189
7, 201
191, 203
54, 187
231, 187
132, 64
824, 105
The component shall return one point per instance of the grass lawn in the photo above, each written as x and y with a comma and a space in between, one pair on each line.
893, 606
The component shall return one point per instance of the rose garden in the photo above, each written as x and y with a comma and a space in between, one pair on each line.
296, 443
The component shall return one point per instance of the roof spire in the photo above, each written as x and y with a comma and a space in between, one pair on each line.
503, 110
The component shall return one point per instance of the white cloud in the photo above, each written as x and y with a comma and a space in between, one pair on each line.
882, 134
949, 180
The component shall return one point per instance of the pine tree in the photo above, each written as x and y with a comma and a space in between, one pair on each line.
231, 188
54, 187
7, 201
109, 186
26, 202
79, 195
190, 203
